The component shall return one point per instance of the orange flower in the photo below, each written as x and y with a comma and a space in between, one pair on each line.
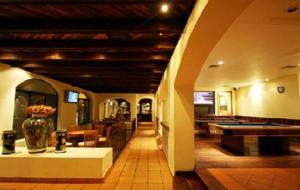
40, 109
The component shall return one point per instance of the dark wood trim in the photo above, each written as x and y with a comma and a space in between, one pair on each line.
91, 26
192, 180
165, 125
90, 64
87, 44
138, 2
270, 120
84, 56
209, 180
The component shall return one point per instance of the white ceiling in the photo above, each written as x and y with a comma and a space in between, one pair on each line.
258, 44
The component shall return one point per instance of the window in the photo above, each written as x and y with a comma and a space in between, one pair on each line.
83, 109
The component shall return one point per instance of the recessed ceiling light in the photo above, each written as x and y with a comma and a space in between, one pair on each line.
299, 65
164, 8
32, 65
221, 62
8, 56
54, 56
86, 76
267, 79
160, 34
292, 9
101, 57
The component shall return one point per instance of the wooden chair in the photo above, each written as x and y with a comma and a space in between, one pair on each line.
74, 128
100, 129
105, 140
90, 139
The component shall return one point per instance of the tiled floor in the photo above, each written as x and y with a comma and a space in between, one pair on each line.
258, 178
209, 154
223, 170
141, 166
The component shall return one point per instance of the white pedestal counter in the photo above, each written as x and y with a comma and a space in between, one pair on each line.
76, 163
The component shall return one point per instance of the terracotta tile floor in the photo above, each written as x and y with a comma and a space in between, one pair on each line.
141, 166
223, 170
258, 178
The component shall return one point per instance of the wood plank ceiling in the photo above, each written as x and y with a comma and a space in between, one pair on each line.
98, 45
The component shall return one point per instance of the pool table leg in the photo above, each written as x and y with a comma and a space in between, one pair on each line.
234, 144
269, 145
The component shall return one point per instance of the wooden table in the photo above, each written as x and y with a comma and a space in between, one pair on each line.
202, 128
77, 136
271, 138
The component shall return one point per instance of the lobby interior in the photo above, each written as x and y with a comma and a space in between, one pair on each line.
150, 59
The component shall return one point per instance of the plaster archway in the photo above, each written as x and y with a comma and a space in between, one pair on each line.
206, 26
102, 106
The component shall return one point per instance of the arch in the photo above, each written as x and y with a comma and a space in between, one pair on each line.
112, 105
33, 92
206, 26
145, 110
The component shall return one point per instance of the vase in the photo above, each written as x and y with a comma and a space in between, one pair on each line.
36, 130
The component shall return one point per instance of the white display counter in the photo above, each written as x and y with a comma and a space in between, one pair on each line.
76, 163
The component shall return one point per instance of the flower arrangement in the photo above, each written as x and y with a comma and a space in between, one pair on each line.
40, 109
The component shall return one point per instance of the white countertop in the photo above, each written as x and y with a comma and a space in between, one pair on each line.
70, 153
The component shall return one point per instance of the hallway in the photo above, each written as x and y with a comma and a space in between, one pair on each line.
141, 166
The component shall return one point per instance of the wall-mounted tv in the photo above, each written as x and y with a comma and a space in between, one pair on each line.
71, 96
204, 98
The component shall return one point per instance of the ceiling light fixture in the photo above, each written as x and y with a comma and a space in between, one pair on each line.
55, 56
221, 62
160, 34
101, 57
267, 79
164, 8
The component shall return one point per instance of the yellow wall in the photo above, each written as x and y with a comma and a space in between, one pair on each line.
11, 77
207, 23
216, 90
263, 100
133, 99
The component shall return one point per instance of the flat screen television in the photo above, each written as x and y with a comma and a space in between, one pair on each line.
72, 96
204, 98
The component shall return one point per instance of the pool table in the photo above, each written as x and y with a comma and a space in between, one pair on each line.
201, 125
271, 138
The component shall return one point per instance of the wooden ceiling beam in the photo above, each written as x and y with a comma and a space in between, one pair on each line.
86, 56
93, 64
105, 77
87, 44
114, 71
130, 84
138, 2
80, 80
91, 74
91, 26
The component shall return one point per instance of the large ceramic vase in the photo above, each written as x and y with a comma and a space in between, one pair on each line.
36, 131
